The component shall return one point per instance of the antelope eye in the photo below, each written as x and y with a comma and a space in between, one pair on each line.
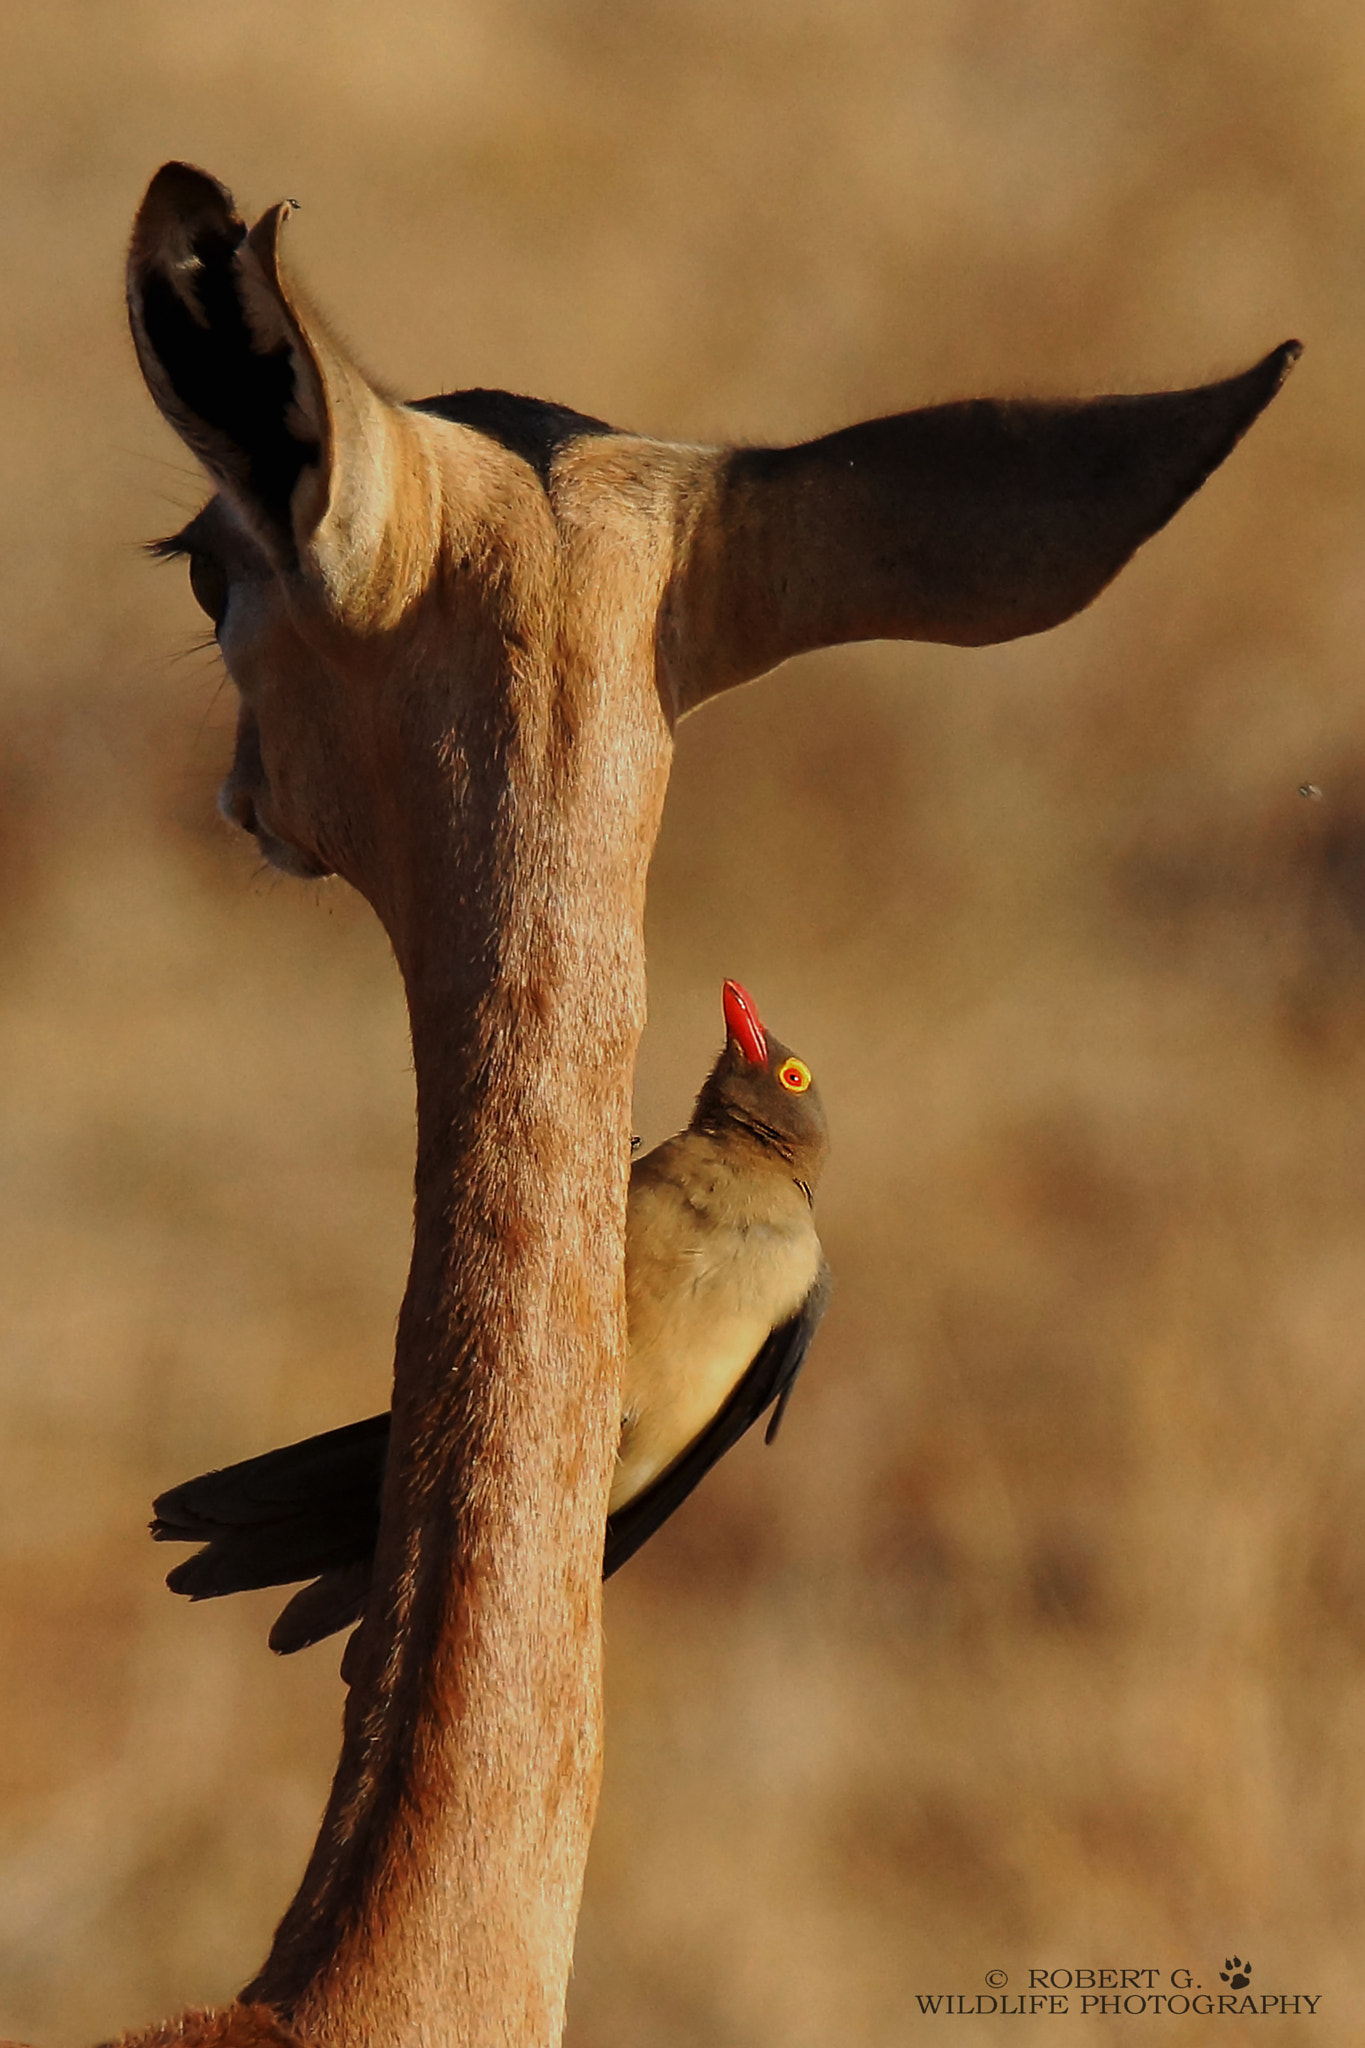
209, 583
795, 1075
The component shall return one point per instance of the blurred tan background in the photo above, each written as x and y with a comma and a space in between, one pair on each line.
1039, 1640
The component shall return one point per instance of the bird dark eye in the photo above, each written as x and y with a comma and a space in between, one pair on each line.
794, 1074
209, 583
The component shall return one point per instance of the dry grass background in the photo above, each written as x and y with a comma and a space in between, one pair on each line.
1040, 1639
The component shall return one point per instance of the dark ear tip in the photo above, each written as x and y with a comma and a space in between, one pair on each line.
1264, 379
1227, 409
185, 186
182, 199
1281, 361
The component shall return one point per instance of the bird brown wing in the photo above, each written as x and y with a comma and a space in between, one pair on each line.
770, 1378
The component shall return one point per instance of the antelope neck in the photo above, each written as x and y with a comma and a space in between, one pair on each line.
476, 1673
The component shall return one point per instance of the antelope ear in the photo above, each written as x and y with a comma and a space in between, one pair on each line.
965, 523
249, 379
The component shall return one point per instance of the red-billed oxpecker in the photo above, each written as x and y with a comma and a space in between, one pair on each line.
725, 1283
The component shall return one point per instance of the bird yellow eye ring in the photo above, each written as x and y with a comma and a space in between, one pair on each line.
794, 1074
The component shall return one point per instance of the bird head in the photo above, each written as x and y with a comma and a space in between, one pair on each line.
760, 1086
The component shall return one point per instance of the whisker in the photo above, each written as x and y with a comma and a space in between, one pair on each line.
209, 710
183, 470
177, 655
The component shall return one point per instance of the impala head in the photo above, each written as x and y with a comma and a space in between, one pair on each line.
417, 602
383, 580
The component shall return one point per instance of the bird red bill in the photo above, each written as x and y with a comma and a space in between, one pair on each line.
742, 1023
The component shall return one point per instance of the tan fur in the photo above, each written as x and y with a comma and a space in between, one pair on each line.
231, 2026
458, 681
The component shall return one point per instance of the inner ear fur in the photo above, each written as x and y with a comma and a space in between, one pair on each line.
289, 429
223, 351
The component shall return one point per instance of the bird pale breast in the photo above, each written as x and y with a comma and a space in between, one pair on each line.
749, 1244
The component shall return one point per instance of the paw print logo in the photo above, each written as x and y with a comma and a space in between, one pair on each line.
1237, 1973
